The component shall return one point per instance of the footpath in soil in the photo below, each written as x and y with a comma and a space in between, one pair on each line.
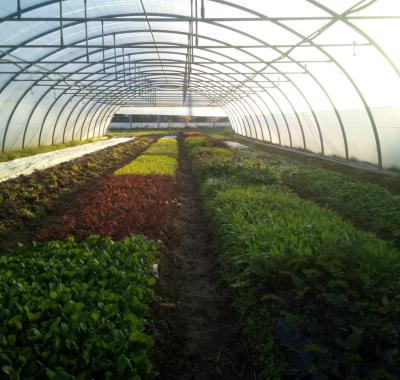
198, 333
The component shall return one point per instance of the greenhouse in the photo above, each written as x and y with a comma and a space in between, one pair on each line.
200, 189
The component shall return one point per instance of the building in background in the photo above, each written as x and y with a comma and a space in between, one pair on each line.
169, 117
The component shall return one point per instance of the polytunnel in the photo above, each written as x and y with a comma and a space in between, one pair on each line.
199, 189
319, 76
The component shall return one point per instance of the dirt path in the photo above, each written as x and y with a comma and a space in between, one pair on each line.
200, 339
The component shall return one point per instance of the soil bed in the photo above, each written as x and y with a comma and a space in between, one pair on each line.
28, 202
119, 206
198, 335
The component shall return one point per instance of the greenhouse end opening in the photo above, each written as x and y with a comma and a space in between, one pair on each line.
200, 189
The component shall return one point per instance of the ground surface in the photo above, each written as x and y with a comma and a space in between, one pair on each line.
197, 327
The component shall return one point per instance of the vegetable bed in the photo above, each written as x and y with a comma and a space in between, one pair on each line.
76, 310
367, 205
125, 202
27, 198
319, 298
160, 158
119, 206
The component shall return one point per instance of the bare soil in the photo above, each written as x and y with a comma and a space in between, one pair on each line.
198, 334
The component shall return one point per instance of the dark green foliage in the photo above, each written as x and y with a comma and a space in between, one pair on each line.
193, 142
369, 206
226, 164
319, 298
242, 171
330, 291
76, 310
203, 141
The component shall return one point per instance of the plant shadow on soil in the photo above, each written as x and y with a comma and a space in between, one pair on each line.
197, 332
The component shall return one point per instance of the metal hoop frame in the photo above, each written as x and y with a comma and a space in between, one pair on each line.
96, 96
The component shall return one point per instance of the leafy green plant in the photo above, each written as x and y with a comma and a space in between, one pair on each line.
228, 165
164, 146
196, 141
203, 141
76, 310
28, 198
242, 171
156, 164
206, 153
320, 279
319, 297
369, 206
160, 158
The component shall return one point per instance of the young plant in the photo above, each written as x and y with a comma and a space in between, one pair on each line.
160, 159
76, 310
318, 297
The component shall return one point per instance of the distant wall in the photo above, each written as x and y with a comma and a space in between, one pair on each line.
182, 111
165, 125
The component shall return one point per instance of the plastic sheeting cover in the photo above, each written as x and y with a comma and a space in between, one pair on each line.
317, 75
27, 165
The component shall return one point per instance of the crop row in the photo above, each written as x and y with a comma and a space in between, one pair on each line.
160, 158
367, 205
126, 202
76, 310
320, 298
26, 199
119, 206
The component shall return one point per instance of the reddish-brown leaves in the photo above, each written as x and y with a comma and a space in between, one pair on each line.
25, 200
192, 134
216, 142
122, 205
